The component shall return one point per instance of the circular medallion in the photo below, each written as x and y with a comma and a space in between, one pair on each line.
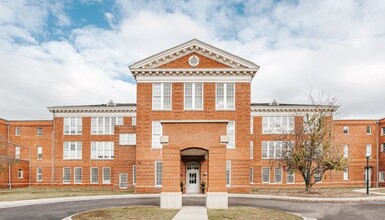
193, 61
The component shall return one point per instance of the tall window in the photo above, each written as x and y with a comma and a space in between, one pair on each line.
231, 134
265, 174
161, 96
39, 174
369, 150
277, 124
123, 180
346, 173
381, 176
228, 173
20, 174
251, 125
225, 96
158, 173
133, 121
134, 174
72, 150
72, 125
105, 125
94, 175
156, 133
346, 150
251, 172
106, 175
290, 177
102, 150
17, 152
66, 175
271, 149
383, 131
251, 149
78, 175
278, 174
383, 147
39, 131
17, 131
369, 130
127, 139
39, 152
193, 96
345, 130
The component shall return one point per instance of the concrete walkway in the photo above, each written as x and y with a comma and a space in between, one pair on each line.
191, 213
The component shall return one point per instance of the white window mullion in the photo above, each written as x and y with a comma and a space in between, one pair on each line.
193, 95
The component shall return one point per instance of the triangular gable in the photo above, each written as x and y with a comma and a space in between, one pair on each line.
209, 54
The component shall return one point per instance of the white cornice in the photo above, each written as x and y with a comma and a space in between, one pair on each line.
283, 110
183, 79
92, 109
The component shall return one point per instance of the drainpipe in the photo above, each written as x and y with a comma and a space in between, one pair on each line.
52, 149
378, 150
9, 163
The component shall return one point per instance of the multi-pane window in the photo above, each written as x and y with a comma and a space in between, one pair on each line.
346, 150
123, 180
317, 176
383, 131
105, 125
265, 174
271, 149
381, 176
106, 175
134, 174
277, 124
156, 133
39, 152
39, 174
20, 174
346, 173
290, 177
17, 131
278, 174
193, 96
78, 175
39, 131
368, 150
345, 129
133, 121
231, 134
102, 150
228, 173
72, 150
251, 125
369, 130
161, 96
383, 147
251, 149
251, 172
73, 125
17, 152
225, 96
127, 139
66, 175
158, 173
94, 175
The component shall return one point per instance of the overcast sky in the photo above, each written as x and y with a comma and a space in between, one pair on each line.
78, 52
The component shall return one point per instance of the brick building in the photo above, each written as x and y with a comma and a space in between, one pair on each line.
193, 122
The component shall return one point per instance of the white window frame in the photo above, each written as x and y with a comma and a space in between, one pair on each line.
78, 147
345, 130
133, 121
317, 175
382, 147
251, 150
288, 174
251, 174
39, 152
276, 125
158, 183
92, 181
346, 173
276, 177
263, 174
39, 131
17, 152
381, 176
123, 185
225, 97
383, 131
370, 130
228, 172
17, 131
39, 174
156, 137
127, 139
230, 130
161, 96
194, 96
72, 126
251, 124
104, 176
106, 148
77, 180
105, 125
134, 175
272, 147
20, 174
346, 151
369, 150
66, 181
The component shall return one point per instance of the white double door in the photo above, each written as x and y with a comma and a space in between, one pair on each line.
192, 178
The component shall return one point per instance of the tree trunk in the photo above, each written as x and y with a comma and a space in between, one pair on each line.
308, 185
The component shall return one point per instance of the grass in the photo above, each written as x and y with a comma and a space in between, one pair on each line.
150, 213
315, 192
47, 192
249, 213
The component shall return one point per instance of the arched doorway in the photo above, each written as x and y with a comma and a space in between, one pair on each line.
192, 177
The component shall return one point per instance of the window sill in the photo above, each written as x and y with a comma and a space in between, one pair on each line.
73, 134
162, 110
103, 159
193, 110
226, 110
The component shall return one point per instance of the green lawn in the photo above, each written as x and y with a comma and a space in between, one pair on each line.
249, 213
48, 192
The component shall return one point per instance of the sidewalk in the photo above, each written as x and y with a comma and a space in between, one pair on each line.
191, 213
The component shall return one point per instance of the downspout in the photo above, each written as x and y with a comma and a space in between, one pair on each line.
52, 149
378, 150
9, 163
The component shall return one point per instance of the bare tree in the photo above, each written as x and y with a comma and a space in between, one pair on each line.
311, 149
5, 158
